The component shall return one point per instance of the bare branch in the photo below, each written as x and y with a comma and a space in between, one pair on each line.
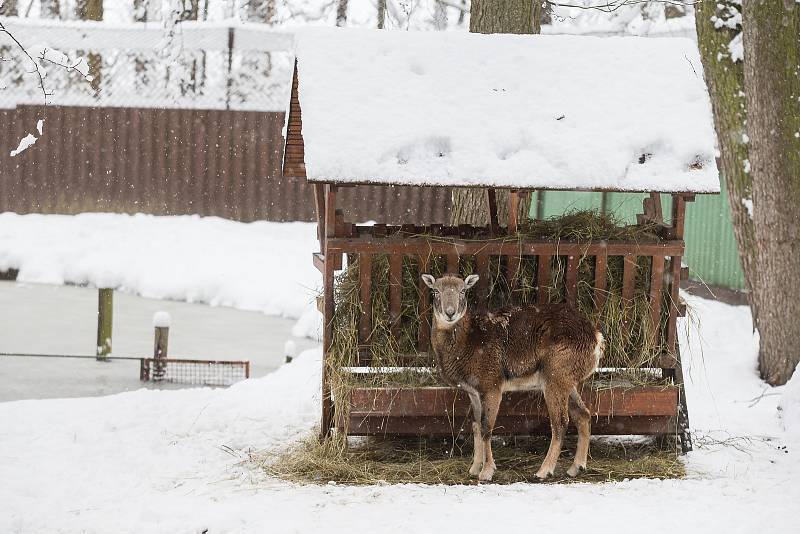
613, 5
45, 94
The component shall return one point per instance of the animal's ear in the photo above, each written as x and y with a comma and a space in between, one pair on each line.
429, 280
471, 280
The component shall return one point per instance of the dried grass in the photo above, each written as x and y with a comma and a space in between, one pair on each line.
376, 460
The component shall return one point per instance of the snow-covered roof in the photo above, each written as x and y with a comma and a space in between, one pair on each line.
544, 111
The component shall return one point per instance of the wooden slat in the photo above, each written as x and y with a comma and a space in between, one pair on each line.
543, 280
656, 289
327, 342
628, 278
572, 280
672, 322
678, 215
422, 245
424, 336
491, 201
446, 426
512, 269
482, 288
513, 211
395, 291
433, 401
600, 281
330, 211
365, 295
319, 202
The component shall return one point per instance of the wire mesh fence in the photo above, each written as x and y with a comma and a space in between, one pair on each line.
193, 372
200, 66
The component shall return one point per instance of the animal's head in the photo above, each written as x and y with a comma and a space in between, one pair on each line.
449, 296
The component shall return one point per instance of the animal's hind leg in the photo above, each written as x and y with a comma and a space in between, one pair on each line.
477, 440
491, 405
557, 399
581, 417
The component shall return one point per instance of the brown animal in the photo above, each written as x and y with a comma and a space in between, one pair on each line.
553, 348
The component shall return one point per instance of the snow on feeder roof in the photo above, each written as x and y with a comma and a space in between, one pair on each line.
528, 112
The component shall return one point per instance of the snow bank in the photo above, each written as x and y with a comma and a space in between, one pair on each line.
550, 111
259, 266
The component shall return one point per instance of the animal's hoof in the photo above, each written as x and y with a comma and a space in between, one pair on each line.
543, 475
475, 470
486, 473
576, 470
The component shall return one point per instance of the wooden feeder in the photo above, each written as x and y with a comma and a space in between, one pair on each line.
331, 93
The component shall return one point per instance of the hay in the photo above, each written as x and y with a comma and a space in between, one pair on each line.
627, 326
376, 460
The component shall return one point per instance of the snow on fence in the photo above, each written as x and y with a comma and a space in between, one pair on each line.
194, 65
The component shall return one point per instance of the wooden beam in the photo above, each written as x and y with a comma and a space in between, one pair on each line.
491, 205
571, 280
365, 296
543, 280
395, 292
513, 209
327, 342
482, 268
656, 290
424, 336
600, 281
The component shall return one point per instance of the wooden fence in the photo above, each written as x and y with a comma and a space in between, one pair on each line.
174, 162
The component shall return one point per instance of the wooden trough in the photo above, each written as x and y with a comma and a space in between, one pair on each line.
442, 411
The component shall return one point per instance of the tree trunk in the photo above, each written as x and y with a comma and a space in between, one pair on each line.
772, 81
92, 10
9, 8
725, 79
51, 9
495, 16
341, 12
381, 14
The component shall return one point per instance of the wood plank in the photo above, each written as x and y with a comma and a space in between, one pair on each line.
678, 215
482, 288
600, 281
319, 202
491, 202
423, 245
365, 295
543, 279
424, 335
395, 292
513, 211
436, 401
327, 341
656, 290
628, 279
572, 280
672, 321
505, 426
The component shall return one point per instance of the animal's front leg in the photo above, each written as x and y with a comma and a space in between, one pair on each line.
477, 440
491, 405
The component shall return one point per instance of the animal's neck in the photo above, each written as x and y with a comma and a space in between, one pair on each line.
448, 339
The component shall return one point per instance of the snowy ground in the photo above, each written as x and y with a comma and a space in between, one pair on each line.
171, 461
49, 319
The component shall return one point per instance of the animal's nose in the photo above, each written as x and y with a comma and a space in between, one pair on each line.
450, 312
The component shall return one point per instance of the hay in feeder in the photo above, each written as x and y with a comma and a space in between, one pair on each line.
377, 460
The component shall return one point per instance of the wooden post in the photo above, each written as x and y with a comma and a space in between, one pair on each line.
105, 321
161, 322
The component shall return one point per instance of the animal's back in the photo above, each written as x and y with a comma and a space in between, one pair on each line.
553, 338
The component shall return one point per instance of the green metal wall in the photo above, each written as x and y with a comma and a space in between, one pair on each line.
710, 245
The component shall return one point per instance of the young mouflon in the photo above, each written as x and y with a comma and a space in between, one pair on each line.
549, 347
